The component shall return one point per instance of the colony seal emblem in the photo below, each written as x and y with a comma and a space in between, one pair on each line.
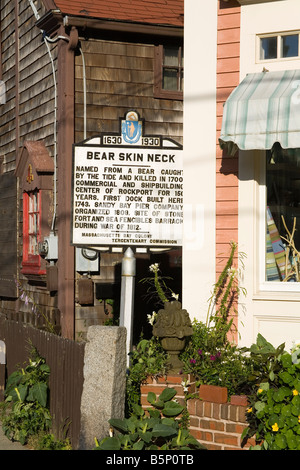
131, 128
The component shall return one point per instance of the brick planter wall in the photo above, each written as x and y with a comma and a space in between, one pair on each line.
214, 422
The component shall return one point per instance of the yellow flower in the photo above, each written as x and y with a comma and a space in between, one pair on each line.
295, 392
298, 419
275, 427
260, 390
249, 410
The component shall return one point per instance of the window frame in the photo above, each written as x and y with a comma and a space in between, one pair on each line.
159, 91
31, 263
264, 285
279, 36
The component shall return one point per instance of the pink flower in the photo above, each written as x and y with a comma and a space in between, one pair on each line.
193, 361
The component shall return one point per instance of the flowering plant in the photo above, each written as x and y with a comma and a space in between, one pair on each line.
161, 289
274, 412
224, 365
210, 355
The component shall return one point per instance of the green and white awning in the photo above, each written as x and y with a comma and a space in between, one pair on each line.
262, 110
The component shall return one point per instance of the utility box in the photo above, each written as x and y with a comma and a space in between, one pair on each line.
52, 278
85, 291
48, 248
87, 261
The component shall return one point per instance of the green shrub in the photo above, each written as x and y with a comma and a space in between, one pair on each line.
25, 412
274, 412
47, 441
214, 363
155, 429
147, 359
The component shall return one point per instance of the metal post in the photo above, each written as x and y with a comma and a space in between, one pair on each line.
127, 296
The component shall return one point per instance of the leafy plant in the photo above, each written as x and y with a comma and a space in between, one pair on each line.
266, 359
147, 359
274, 413
25, 411
156, 428
47, 441
216, 364
158, 286
210, 355
222, 303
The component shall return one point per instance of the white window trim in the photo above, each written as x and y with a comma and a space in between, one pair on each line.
279, 35
267, 286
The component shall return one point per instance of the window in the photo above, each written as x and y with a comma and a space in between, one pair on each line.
282, 229
35, 170
168, 75
31, 232
278, 46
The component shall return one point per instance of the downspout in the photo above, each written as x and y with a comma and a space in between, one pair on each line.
84, 93
66, 21
46, 41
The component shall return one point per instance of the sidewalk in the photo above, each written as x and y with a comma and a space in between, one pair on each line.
6, 444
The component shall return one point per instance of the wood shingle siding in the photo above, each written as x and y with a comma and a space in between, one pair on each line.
120, 76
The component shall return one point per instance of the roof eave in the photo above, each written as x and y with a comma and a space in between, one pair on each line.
54, 18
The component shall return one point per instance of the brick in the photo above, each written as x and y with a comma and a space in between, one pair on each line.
202, 435
170, 379
213, 425
240, 400
213, 393
148, 388
226, 439
207, 409
216, 411
191, 406
225, 411
231, 448
194, 421
144, 401
242, 412
199, 405
213, 447
234, 428
233, 413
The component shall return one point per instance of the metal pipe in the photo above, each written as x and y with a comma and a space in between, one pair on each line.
127, 296
84, 94
46, 41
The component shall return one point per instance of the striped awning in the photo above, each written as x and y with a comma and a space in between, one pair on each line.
263, 109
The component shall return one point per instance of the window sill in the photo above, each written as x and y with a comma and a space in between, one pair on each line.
278, 292
168, 95
28, 268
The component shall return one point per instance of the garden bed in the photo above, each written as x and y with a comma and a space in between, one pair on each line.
214, 421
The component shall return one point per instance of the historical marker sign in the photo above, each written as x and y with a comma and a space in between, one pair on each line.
127, 189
